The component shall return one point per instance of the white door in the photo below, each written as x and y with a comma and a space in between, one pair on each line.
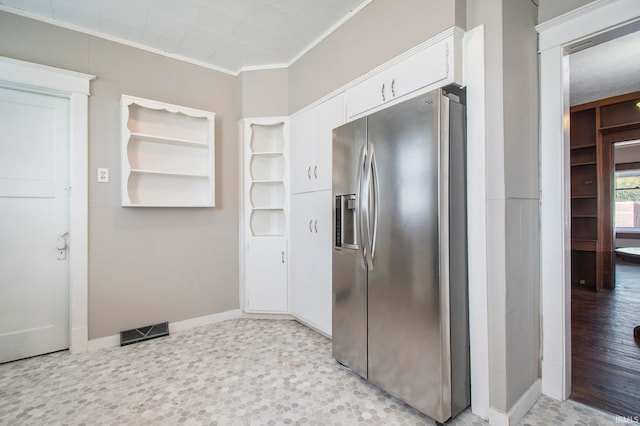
34, 216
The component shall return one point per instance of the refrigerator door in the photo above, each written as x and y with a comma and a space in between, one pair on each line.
405, 319
349, 316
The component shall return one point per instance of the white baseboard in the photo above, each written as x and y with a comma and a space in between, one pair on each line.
553, 380
188, 324
250, 315
520, 408
174, 327
312, 327
103, 342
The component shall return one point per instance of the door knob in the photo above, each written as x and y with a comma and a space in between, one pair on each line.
61, 246
62, 241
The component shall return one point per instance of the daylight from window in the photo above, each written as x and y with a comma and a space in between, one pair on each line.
627, 195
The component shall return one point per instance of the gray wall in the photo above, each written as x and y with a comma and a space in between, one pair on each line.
549, 9
512, 195
264, 93
378, 33
146, 265
522, 197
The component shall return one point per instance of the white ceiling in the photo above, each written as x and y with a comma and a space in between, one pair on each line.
608, 69
223, 34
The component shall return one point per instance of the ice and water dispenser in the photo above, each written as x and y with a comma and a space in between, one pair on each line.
346, 221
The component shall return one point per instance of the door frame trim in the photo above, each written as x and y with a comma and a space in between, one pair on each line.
556, 37
74, 86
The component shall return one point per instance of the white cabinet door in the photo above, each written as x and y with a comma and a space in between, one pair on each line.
311, 142
302, 257
266, 275
323, 252
301, 129
367, 95
327, 116
422, 69
434, 66
311, 238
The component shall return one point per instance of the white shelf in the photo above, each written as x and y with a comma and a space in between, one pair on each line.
267, 138
267, 195
154, 189
168, 155
268, 154
267, 168
158, 172
267, 222
164, 139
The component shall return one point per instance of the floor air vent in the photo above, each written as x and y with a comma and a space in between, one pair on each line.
141, 334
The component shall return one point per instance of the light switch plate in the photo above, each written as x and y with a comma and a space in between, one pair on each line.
103, 174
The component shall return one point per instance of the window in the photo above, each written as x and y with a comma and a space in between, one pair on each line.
627, 200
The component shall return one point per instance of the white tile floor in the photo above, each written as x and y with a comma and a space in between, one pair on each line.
239, 372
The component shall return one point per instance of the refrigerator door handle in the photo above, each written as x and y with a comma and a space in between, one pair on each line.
367, 205
359, 207
376, 204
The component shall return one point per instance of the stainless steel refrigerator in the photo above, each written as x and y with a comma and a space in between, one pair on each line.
400, 299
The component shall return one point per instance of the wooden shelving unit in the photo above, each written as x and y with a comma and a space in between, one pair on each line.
168, 155
584, 197
595, 127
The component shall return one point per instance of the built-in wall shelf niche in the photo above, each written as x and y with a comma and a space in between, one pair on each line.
266, 178
168, 154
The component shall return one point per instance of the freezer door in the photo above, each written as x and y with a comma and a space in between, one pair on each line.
349, 315
405, 327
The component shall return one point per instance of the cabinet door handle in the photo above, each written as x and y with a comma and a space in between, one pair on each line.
315, 171
393, 88
310, 226
309, 172
315, 226
383, 97
282, 256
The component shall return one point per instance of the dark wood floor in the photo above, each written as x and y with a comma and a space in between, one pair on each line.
605, 356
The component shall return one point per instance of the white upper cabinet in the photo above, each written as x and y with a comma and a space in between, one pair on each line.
435, 64
311, 143
327, 116
302, 152
168, 155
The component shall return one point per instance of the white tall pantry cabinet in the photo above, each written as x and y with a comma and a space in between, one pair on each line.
265, 189
311, 209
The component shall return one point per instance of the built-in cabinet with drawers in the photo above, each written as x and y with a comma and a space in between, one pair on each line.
265, 183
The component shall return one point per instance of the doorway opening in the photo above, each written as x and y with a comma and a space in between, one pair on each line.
604, 172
